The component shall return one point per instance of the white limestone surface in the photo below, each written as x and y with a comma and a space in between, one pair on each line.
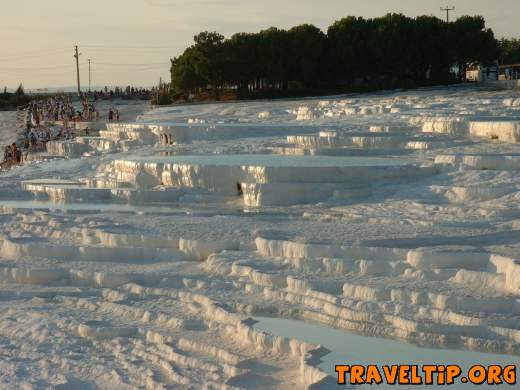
140, 257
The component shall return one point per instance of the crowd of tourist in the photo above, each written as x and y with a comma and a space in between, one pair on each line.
59, 108
121, 93
61, 114
113, 115
12, 154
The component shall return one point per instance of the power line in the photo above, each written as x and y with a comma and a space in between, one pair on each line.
89, 75
36, 54
104, 68
448, 10
76, 56
38, 50
137, 65
132, 47
111, 71
25, 74
35, 68
43, 54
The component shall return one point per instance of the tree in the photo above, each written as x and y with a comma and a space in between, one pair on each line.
472, 41
352, 56
19, 91
243, 62
306, 54
184, 75
208, 59
430, 55
355, 53
509, 51
272, 57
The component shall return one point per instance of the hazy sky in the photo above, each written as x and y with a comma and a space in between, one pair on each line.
131, 41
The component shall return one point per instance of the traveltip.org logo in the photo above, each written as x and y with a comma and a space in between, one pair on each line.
443, 375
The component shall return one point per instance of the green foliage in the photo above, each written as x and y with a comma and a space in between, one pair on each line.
162, 99
162, 95
9, 101
307, 51
509, 51
355, 53
19, 91
472, 41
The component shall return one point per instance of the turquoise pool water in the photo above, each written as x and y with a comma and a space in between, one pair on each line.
350, 348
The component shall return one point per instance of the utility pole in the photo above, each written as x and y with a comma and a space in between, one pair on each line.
76, 56
448, 10
89, 75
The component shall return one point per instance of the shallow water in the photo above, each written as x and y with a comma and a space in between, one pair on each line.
272, 160
123, 208
349, 348
89, 207
7, 127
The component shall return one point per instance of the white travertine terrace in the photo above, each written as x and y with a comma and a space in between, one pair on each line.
140, 257
507, 131
264, 185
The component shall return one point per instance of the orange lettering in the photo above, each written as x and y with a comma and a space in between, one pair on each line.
416, 379
452, 373
373, 376
493, 376
441, 377
477, 374
510, 375
356, 375
390, 374
429, 371
342, 370
403, 375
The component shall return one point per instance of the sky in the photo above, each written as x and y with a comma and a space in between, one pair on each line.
130, 42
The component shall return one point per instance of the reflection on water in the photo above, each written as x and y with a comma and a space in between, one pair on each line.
86, 207
274, 160
207, 210
349, 348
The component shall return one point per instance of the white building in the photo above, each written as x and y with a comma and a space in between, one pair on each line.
510, 72
477, 72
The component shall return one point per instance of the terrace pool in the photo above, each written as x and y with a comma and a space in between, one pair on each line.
350, 348
273, 160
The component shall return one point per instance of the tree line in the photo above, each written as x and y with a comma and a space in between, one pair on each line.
509, 51
9, 101
127, 93
354, 54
